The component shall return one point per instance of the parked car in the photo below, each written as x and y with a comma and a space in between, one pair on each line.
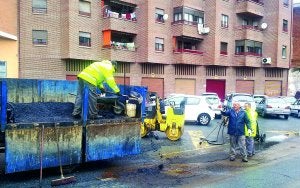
197, 108
273, 106
289, 99
215, 101
295, 108
258, 98
240, 98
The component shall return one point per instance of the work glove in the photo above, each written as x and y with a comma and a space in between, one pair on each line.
249, 132
102, 90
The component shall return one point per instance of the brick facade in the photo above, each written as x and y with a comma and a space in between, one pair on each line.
63, 23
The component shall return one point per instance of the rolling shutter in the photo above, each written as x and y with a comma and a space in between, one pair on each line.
273, 88
185, 86
154, 85
245, 86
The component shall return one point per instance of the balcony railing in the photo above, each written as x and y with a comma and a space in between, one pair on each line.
185, 22
249, 27
121, 46
224, 53
248, 53
188, 51
259, 2
127, 16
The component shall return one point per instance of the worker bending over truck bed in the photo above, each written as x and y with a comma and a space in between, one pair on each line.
93, 77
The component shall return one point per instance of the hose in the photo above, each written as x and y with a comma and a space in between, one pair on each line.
222, 126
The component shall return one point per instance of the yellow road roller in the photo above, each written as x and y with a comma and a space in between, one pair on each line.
171, 122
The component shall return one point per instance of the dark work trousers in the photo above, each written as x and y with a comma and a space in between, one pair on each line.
92, 99
237, 142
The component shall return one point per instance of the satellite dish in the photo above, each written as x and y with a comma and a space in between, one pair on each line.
264, 25
166, 16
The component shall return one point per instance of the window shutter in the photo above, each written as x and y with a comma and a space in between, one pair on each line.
85, 6
106, 38
39, 3
39, 34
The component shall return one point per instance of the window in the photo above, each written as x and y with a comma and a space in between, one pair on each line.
159, 15
177, 17
286, 3
224, 48
39, 37
283, 52
159, 44
224, 21
39, 6
84, 8
85, 39
3, 69
248, 47
285, 26
188, 15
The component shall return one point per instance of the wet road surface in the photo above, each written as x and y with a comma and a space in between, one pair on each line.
186, 163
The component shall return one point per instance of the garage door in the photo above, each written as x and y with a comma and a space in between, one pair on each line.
71, 77
244, 86
154, 85
120, 80
273, 88
185, 86
216, 86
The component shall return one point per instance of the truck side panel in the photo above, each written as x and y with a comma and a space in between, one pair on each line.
23, 146
107, 140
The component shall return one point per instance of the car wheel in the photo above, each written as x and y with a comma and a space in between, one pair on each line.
203, 119
298, 115
286, 116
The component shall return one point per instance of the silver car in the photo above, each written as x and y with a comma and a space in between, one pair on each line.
295, 108
273, 106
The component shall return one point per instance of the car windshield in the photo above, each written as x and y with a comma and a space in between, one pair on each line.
212, 100
276, 100
176, 99
243, 98
257, 99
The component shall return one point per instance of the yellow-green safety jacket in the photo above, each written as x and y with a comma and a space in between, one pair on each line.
252, 116
99, 72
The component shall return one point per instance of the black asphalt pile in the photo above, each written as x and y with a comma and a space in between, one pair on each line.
43, 112
50, 112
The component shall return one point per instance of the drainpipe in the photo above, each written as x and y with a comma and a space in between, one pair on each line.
291, 42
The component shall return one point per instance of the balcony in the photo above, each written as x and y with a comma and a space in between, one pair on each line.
187, 56
250, 7
248, 32
119, 52
186, 28
119, 24
248, 59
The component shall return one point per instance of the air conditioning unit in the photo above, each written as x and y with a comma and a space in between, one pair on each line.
205, 30
266, 61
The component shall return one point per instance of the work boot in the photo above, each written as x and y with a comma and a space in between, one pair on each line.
245, 160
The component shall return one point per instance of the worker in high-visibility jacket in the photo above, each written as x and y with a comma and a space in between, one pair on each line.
250, 134
93, 77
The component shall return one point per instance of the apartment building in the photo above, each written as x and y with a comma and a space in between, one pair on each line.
294, 76
171, 46
296, 36
8, 39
